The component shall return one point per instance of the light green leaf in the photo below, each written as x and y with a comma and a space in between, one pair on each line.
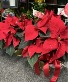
33, 60
10, 50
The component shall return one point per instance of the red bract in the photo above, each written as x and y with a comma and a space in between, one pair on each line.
11, 39
45, 20
12, 30
56, 26
8, 31
15, 41
4, 29
32, 49
8, 40
62, 45
12, 20
49, 45
24, 23
45, 57
58, 40
31, 31
25, 52
35, 48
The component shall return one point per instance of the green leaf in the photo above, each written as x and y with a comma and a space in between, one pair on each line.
10, 50
29, 14
19, 34
47, 35
33, 60
23, 44
41, 34
39, 6
1, 44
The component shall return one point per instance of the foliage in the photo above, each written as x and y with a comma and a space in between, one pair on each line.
10, 50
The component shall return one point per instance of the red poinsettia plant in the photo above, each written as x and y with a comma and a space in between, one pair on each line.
42, 42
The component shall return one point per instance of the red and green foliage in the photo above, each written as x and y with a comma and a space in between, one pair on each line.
44, 40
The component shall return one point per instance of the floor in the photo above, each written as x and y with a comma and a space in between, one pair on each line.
17, 69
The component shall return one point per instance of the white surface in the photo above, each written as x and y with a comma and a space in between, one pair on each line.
59, 11
12, 2
38, 13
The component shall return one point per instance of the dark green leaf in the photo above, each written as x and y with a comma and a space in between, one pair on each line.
47, 35
1, 44
23, 44
18, 34
33, 60
41, 34
10, 50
